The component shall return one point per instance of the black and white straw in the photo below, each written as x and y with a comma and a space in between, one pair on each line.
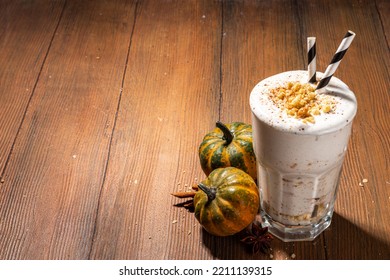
311, 59
338, 56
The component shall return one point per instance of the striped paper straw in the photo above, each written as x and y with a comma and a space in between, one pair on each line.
338, 56
311, 59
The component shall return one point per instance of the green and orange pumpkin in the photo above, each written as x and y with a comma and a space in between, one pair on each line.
227, 201
228, 145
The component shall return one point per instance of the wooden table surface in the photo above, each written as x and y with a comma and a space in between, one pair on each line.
104, 104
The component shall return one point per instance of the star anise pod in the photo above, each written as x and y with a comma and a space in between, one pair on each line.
258, 238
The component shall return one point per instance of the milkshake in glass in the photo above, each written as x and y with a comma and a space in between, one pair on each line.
300, 139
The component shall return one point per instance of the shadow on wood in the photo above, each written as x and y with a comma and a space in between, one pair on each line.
345, 240
232, 248
334, 247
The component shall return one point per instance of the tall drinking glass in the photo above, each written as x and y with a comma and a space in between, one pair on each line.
299, 161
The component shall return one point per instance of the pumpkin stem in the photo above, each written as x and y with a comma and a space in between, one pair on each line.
227, 134
210, 192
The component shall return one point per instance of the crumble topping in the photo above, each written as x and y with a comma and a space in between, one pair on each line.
301, 101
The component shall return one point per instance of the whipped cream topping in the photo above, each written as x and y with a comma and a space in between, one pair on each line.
264, 107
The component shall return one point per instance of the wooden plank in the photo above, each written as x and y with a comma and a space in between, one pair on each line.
23, 47
257, 44
383, 7
92, 168
362, 221
54, 177
170, 100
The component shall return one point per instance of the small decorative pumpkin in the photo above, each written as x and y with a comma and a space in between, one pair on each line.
227, 201
228, 145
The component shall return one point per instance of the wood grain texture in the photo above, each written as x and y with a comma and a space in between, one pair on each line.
383, 9
53, 181
23, 47
170, 99
120, 96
